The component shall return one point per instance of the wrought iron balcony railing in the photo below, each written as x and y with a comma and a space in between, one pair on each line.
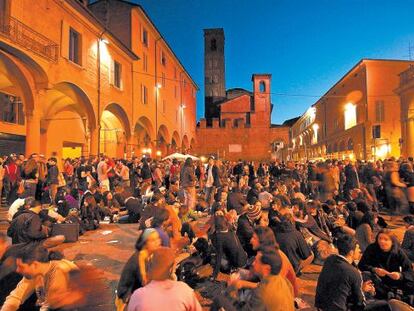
407, 75
29, 39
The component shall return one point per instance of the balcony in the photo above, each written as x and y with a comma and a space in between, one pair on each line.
407, 76
29, 39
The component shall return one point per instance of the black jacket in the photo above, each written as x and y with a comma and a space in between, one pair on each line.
228, 244
393, 261
339, 286
245, 230
26, 227
292, 243
236, 201
130, 278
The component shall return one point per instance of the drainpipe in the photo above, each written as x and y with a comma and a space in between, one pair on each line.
156, 95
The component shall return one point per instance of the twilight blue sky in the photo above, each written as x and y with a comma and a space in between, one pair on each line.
307, 45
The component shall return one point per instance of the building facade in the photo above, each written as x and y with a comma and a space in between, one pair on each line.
360, 117
90, 79
406, 92
237, 122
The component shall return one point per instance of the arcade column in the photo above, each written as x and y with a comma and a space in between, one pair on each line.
33, 132
93, 141
409, 139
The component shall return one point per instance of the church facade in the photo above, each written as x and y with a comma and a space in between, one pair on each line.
237, 122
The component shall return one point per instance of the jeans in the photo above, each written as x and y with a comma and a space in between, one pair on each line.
189, 197
210, 191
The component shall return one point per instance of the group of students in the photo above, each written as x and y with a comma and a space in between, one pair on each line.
262, 226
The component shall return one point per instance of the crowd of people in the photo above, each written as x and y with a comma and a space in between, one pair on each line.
259, 225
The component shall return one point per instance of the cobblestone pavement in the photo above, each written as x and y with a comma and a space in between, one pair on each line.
109, 247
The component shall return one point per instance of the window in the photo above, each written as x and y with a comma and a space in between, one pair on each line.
163, 79
176, 115
376, 131
175, 72
350, 116
164, 105
117, 74
145, 37
144, 94
210, 63
163, 58
145, 62
175, 91
262, 87
213, 45
74, 46
379, 111
11, 109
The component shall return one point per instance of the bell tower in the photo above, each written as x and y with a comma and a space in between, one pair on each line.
214, 73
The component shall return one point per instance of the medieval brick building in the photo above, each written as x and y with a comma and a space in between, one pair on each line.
237, 122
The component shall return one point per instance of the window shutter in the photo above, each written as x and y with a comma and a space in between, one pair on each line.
83, 50
64, 44
111, 73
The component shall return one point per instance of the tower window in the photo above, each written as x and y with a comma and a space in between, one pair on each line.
262, 87
213, 45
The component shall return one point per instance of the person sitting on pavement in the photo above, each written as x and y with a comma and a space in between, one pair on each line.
27, 226
134, 273
246, 224
340, 286
19, 204
48, 279
163, 293
408, 241
274, 292
389, 266
228, 247
292, 243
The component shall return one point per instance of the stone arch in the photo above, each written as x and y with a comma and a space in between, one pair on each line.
164, 133
163, 140
192, 143
185, 143
114, 131
13, 79
36, 71
121, 114
262, 87
67, 106
175, 141
144, 132
66, 95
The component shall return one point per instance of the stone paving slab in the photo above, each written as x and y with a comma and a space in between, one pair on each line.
109, 247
